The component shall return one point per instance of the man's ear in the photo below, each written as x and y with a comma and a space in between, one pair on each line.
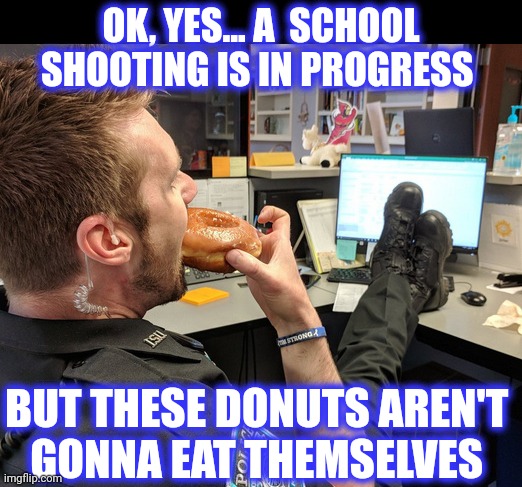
98, 238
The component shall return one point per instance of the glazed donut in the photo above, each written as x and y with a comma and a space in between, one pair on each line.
211, 234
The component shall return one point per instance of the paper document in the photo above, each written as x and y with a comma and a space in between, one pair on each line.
225, 194
348, 296
507, 290
229, 195
201, 198
319, 220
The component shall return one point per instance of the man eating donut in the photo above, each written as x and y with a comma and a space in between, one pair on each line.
93, 210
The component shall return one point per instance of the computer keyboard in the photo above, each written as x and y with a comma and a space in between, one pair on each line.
354, 275
195, 276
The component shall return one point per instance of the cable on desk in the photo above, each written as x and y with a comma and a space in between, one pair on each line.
465, 282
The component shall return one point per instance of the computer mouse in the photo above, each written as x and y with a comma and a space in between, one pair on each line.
474, 298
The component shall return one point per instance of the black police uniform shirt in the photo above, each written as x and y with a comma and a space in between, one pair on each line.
101, 352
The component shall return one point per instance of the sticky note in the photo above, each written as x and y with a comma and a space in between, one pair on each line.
220, 167
225, 166
238, 166
204, 295
346, 249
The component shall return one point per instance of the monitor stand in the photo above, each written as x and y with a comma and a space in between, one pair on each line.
466, 259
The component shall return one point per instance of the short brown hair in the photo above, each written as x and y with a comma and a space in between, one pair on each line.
62, 158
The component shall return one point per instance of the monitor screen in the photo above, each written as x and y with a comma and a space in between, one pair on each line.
451, 185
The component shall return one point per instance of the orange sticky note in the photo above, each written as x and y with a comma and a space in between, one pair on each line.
204, 295
220, 166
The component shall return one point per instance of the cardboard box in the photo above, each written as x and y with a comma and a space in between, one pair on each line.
500, 246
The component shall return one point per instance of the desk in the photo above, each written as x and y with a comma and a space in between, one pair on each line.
456, 328
239, 308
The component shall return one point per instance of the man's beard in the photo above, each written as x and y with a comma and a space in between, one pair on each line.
161, 277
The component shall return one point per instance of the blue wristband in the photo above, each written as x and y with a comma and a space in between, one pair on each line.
301, 336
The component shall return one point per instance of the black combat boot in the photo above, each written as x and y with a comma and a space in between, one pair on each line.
432, 246
392, 253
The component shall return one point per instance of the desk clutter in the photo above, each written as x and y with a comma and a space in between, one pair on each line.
318, 217
508, 314
508, 280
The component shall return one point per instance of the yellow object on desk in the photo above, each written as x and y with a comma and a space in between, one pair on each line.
275, 158
204, 295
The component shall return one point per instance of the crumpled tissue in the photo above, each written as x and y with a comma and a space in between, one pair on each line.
508, 314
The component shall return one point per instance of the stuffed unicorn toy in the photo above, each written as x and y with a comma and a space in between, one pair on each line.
321, 153
328, 154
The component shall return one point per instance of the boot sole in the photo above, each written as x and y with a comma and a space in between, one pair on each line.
440, 294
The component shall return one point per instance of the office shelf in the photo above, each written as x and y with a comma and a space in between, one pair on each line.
271, 116
393, 104
506, 179
220, 112
292, 172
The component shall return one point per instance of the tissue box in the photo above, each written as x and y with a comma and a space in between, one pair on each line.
500, 246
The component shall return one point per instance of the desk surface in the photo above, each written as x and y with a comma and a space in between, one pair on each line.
456, 328
239, 308
499, 349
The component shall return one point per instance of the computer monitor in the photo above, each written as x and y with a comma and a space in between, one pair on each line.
451, 185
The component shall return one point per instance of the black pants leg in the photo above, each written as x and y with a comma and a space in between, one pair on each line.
378, 333
375, 340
